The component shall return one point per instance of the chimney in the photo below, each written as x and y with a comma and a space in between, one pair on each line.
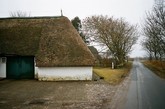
61, 13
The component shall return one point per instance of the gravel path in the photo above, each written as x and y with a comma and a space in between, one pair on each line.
31, 94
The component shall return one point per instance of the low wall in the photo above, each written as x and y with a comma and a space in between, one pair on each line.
64, 73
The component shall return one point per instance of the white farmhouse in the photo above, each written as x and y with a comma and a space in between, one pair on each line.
46, 48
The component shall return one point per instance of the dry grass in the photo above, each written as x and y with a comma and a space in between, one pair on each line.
113, 76
157, 67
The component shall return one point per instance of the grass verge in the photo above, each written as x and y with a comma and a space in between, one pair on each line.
113, 76
156, 66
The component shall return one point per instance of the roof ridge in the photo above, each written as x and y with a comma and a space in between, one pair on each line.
35, 17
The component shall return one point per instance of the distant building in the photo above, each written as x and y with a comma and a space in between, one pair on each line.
96, 54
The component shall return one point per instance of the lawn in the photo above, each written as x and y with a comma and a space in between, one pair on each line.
113, 76
157, 67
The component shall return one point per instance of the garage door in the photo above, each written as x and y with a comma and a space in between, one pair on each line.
20, 67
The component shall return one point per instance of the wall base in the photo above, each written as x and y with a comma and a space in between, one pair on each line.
64, 73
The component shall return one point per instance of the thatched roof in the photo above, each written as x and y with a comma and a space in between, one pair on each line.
52, 40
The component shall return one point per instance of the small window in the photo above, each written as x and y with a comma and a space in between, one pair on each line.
3, 59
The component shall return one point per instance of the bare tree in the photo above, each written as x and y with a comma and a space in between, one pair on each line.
154, 31
147, 45
19, 14
159, 2
116, 34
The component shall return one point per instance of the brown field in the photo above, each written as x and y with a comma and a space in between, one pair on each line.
158, 67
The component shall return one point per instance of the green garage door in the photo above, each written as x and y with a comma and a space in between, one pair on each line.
20, 67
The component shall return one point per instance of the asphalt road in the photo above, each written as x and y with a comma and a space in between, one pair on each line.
146, 90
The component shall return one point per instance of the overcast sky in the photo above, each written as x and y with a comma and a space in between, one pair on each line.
132, 11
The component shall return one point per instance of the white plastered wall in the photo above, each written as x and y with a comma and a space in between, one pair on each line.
2, 68
64, 73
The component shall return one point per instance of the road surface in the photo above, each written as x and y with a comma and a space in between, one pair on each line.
146, 90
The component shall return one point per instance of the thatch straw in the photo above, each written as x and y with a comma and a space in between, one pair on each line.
52, 40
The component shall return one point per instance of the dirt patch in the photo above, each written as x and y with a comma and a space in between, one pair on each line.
37, 102
31, 94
